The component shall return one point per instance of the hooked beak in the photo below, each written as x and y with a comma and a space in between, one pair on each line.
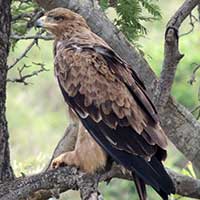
40, 23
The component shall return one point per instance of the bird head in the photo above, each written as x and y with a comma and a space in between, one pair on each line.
61, 20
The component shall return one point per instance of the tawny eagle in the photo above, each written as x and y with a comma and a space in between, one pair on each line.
111, 102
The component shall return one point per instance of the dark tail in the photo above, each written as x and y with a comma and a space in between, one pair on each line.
166, 186
140, 186
149, 172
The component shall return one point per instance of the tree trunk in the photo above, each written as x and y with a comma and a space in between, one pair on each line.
6, 172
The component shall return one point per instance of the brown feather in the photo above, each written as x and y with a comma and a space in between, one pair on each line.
109, 99
102, 84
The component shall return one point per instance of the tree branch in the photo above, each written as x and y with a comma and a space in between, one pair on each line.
29, 37
23, 77
66, 178
172, 56
28, 48
52, 182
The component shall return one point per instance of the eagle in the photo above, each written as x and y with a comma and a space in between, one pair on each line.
119, 121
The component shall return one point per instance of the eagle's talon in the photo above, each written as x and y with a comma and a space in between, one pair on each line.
56, 165
64, 159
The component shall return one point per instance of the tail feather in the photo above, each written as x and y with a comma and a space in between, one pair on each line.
166, 185
151, 173
140, 186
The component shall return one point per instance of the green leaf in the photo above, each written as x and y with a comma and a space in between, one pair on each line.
104, 4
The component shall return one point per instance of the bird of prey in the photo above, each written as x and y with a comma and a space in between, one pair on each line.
111, 101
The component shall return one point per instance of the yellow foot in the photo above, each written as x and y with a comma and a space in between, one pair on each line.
67, 158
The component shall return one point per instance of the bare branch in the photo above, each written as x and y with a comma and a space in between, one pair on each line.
23, 77
29, 37
195, 109
28, 48
192, 22
38, 13
172, 56
191, 82
193, 76
22, 16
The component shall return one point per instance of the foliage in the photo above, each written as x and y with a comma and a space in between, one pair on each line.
24, 14
131, 14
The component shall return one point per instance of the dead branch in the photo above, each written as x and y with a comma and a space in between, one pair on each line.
193, 76
23, 77
191, 82
28, 48
172, 56
192, 22
29, 37
195, 109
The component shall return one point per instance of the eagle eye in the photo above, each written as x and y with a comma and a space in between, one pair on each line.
58, 18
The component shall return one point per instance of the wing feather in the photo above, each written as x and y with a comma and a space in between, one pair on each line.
112, 104
104, 87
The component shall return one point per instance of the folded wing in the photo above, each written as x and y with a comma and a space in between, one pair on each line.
112, 104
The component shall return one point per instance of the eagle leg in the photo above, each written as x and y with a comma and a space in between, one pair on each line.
88, 156
67, 158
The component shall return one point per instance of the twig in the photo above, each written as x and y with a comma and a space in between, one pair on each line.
37, 15
29, 37
22, 16
191, 81
172, 56
195, 109
22, 78
193, 76
192, 22
28, 48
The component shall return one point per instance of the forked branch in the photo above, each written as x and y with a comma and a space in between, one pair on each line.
172, 55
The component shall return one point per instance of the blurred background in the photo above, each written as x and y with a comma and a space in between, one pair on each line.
37, 115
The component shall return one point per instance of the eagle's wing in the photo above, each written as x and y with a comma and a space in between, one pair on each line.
112, 104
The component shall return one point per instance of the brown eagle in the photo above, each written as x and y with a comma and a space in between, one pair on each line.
111, 102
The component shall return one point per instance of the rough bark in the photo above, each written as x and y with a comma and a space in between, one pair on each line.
52, 182
70, 178
67, 177
172, 55
180, 126
6, 172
